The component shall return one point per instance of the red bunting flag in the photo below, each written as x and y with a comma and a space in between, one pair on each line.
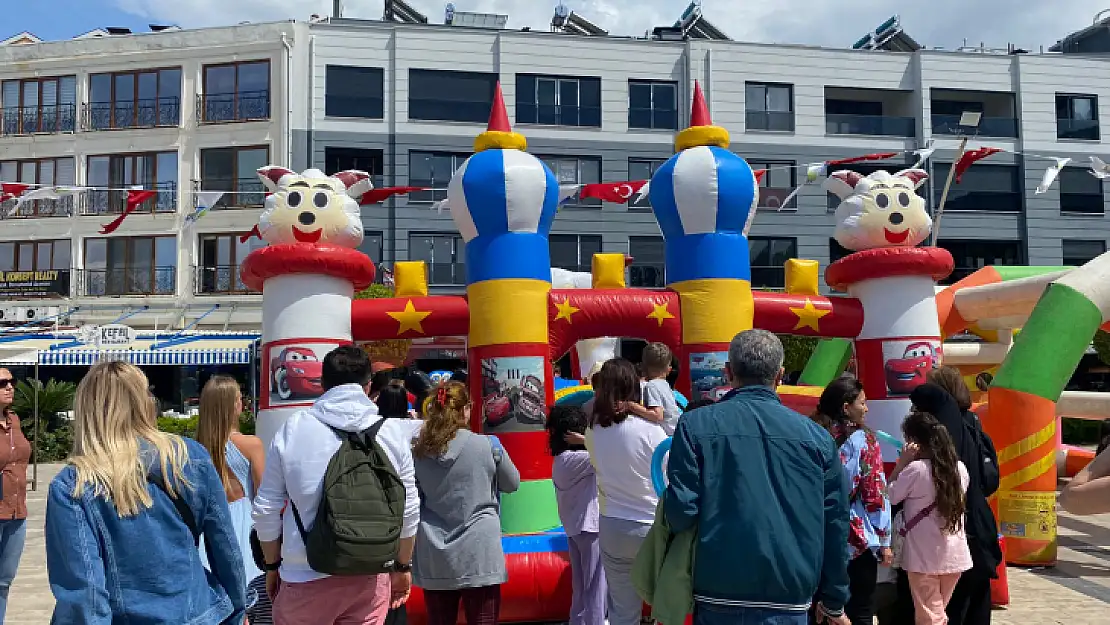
878, 156
375, 196
11, 190
255, 232
970, 157
615, 192
134, 198
759, 174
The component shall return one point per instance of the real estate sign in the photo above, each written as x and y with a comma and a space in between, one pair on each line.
17, 284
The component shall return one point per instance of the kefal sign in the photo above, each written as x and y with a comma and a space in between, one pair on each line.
113, 335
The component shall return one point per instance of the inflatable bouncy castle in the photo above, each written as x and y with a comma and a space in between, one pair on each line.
892, 322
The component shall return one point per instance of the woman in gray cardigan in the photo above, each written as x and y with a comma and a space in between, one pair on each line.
458, 553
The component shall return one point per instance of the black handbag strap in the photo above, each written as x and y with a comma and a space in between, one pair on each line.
917, 518
183, 509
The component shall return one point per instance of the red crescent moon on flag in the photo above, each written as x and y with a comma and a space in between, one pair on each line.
624, 190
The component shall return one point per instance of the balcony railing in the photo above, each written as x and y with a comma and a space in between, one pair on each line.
216, 108
557, 115
239, 193
220, 280
772, 199
646, 276
870, 125
773, 277
62, 207
1085, 129
446, 274
1082, 203
104, 202
988, 126
652, 118
119, 282
151, 113
29, 120
776, 121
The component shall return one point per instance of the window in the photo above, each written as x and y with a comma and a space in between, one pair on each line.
652, 105
372, 245
574, 252
441, 95
142, 99
234, 170
971, 255
776, 184
1080, 192
648, 262
433, 170
37, 256
46, 105
220, 258
342, 159
151, 170
837, 251
1078, 252
130, 266
769, 106
642, 169
1077, 117
558, 100
576, 170
354, 92
865, 170
445, 255
235, 92
983, 188
768, 260
46, 171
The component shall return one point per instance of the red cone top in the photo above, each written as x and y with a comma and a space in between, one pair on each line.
699, 112
498, 117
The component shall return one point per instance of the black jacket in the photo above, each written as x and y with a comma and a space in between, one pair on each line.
979, 522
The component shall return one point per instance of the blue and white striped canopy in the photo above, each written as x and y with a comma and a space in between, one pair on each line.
147, 357
503, 203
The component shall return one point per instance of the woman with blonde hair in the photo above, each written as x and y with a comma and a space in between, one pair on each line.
239, 459
458, 552
123, 518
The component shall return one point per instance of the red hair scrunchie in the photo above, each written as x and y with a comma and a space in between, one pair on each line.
441, 395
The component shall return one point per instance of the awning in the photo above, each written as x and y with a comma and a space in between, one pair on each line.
167, 349
185, 355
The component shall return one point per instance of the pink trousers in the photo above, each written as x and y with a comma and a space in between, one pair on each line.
362, 600
930, 596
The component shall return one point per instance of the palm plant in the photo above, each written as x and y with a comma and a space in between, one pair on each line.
54, 398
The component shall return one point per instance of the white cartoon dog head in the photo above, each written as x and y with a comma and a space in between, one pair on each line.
879, 210
312, 207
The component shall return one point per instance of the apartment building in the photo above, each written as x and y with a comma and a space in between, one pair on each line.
171, 110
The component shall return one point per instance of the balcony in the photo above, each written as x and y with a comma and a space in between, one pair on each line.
220, 280
558, 115
62, 207
48, 120
988, 126
153, 113
105, 202
127, 281
647, 276
773, 121
218, 108
870, 125
238, 193
1082, 129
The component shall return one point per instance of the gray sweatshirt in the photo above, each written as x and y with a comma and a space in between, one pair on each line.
458, 544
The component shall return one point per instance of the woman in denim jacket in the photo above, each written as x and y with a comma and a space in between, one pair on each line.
123, 519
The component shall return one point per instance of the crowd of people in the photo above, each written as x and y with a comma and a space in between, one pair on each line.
768, 516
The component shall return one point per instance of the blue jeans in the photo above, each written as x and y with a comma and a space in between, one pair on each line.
722, 615
12, 535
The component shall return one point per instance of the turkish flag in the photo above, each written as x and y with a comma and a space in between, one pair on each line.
615, 192
134, 198
970, 157
255, 232
374, 196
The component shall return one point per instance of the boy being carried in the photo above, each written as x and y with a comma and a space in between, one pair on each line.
658, 404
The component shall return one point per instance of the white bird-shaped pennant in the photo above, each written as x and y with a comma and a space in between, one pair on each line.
1051, 174
1099, 169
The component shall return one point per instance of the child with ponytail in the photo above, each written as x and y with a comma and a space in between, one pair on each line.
932, 482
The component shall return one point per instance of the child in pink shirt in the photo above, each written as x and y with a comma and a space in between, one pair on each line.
931, 481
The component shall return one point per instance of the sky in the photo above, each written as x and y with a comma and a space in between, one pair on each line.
835, 23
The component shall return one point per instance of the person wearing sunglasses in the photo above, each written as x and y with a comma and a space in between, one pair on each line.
15, 453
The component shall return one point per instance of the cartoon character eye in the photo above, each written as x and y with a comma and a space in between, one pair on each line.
295, 356
882, 201
321, 199
294, 199
904, 199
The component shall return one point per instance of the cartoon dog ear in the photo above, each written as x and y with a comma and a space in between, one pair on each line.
842, 183
357, 182
271, 176
917, 176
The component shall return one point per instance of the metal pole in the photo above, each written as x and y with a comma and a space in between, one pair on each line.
35, 465
944, 194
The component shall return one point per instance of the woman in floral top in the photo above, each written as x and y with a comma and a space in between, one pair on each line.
842, 410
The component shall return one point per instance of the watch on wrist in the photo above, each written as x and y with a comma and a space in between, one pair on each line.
399, 567
271, 567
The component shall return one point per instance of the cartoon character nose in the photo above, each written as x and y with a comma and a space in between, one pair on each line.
306, 218
895, 218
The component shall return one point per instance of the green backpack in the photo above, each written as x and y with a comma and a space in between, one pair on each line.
357, 530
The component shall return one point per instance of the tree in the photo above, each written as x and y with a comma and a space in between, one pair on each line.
55, 432
393, 351
797, 350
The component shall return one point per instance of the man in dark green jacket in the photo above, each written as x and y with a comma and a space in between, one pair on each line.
766, 489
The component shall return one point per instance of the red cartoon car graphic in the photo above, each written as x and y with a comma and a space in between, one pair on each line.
908, 372
498, 409
296, 373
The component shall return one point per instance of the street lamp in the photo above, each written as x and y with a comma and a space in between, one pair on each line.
968, 119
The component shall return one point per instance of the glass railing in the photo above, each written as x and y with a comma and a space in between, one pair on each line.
1083, 203
424, 109
870, 125
554, 115
214, 108
53, 119
114, 202
1085, 129
652, 119
132, 114
991, 201
773, 277
647, 275
446, 274
220, 279
145, 280
777, 121
62, 207
988, 126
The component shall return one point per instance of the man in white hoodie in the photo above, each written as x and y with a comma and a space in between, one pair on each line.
295, 466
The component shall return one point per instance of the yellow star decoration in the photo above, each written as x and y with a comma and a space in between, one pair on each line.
660, 313
409, 319
808, 316
565, 310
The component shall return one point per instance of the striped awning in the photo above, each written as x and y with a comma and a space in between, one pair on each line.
192, 348
170, 356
